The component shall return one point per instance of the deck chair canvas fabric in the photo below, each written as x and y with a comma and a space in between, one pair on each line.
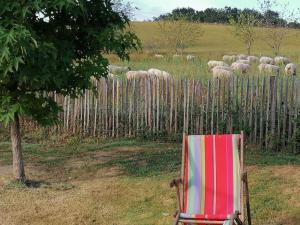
212, 187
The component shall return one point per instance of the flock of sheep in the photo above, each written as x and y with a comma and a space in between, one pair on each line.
242, 64
230, 64
176, 56
135, 74
151, 73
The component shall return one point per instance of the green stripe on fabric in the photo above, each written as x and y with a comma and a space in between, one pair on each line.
227, 222
202, 143
191, 185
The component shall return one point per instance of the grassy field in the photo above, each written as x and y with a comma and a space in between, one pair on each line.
93, 181
217, 41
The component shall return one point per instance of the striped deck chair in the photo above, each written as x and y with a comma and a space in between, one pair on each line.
210, 190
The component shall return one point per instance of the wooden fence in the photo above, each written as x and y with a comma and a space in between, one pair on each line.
266, 108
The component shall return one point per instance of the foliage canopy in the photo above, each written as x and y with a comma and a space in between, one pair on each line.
55, 46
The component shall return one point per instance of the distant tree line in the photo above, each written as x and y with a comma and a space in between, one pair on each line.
225, 15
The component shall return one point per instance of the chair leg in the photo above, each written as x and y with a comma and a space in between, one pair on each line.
176, 219
247, 199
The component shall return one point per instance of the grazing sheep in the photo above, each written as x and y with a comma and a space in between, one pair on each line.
244, 61
266, 60
240, 67
253, 59
154, 72
219, 72
213, 63
117, 69
242, 56
290, 69
269, 69
176, 56
229, 58
190, 57
136, 74
158, 73
280, 60
158, 56
223, 68
166, 75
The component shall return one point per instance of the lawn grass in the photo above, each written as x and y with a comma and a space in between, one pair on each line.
125, 181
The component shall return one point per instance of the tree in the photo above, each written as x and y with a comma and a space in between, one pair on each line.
275, 28
177, 35
244, 29
53, 46
223, 15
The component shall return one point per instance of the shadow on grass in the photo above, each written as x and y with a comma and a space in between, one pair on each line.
269, 158
150, 162
14, 184
151, 158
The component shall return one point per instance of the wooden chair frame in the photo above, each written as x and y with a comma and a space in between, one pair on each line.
238, 216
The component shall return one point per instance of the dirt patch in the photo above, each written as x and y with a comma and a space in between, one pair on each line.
5, 170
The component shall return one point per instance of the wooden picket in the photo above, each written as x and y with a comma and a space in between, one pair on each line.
266, 108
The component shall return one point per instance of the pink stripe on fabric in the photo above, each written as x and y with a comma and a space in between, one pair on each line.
230, 191
215, 174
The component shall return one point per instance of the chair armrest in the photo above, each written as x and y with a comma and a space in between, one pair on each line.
175, 182
235, 217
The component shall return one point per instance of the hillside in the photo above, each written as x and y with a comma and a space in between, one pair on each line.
218, 40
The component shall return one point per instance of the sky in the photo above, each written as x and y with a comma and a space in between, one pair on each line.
147, 9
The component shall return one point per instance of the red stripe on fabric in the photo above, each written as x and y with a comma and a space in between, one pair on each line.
209, 175
230, 191
221, 173
186, 174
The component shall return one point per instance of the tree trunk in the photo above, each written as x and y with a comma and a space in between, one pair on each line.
18, 165
249, 44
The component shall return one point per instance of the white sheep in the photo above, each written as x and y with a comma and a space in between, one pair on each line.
158, 56
176, 56
213, 63
223, 68
166, 75
253, 59
158, 73
219, 72
190, 57
229, 58
244, 61
280, 60
266, 60
154, 72
240, 67
117, 69
269, 69
290, 69
136, 74
242, 56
